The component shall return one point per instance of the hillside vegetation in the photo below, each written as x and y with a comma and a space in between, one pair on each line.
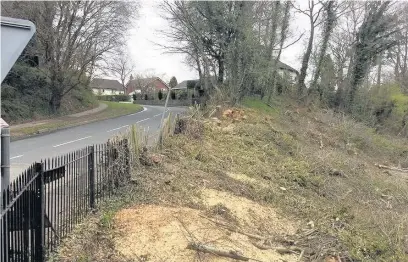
274, 183
26, 93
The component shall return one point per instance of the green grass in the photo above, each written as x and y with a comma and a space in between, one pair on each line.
260, 105
113, 110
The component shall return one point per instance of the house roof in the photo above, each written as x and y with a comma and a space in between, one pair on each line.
284, 66
101, 83
181, 85
185, 84
141, 83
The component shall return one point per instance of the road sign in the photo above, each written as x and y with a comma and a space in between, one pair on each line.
15, 34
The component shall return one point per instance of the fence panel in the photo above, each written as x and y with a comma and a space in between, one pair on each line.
21, 228
45, 202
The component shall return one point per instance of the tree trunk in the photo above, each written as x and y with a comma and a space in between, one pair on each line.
305, 60
55, 102
221, 68
379, 68
327, 33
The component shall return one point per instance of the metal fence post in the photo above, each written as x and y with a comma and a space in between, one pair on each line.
91, 175
39, 232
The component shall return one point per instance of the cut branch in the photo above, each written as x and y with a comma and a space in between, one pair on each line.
212, 250
404, 170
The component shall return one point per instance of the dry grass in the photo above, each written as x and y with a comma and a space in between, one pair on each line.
313, 168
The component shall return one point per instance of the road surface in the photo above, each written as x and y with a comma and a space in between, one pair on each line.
27, 151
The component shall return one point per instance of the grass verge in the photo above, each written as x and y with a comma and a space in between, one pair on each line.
114, 109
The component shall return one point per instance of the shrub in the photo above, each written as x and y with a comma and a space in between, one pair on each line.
114, 98
160, 94
134, 96
146, 97
183, 95
173, 95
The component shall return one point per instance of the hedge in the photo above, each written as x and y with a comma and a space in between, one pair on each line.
114, 98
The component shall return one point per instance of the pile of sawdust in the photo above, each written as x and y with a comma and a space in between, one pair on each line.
249, 213
157, 233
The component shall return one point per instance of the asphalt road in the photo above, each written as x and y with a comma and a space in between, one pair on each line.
27, 151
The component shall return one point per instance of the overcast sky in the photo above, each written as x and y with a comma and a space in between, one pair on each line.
150, 59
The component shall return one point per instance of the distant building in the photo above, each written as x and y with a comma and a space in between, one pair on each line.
285, 70
101, 86
185, 84
149, 85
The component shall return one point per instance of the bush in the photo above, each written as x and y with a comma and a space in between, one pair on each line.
146, 97
383, 107
173, 95
183, 95
160, 95
115, 98
134, 96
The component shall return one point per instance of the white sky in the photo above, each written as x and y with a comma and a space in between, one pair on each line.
150, 58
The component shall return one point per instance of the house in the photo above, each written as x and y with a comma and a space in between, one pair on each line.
101, 86
150, 85
185, 84
285, 70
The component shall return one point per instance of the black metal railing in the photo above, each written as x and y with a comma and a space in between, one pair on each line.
46, 201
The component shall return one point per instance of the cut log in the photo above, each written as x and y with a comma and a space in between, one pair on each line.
212, 250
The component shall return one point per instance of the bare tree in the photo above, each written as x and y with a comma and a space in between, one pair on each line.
398, 56
329, 23
283, 36
121, 66
375, 35
73, 38
313, 12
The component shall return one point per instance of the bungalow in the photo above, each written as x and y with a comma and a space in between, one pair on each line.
149, 85
101, 86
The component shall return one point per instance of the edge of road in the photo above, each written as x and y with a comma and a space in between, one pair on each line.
50, 131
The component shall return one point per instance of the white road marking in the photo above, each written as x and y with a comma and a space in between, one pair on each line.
69, 142
142, 120
144, 109
161, 113
117, 128
16, 157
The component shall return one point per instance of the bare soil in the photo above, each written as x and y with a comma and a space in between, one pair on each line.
159, 233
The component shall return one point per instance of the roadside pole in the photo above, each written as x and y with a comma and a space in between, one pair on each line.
5, 155
162, 119
4, 182
165, 108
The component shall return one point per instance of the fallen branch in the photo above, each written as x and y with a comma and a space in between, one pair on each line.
235, 229
262, 246
289, 250
301, 255
404, 170
212, 250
